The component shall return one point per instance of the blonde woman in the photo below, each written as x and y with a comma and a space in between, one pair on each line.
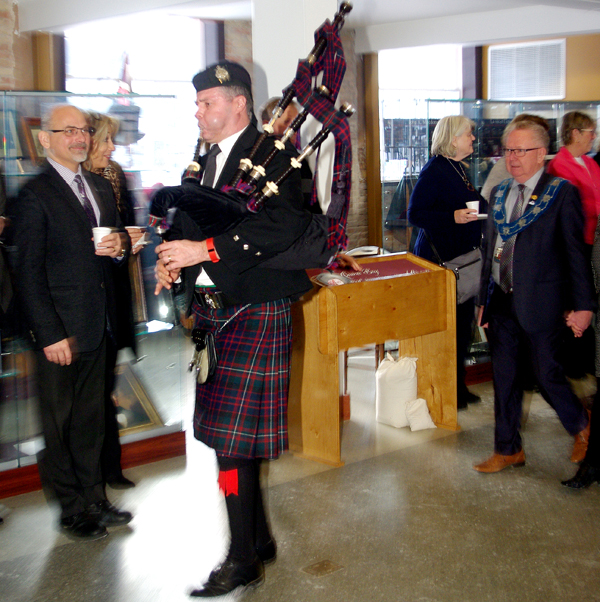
438, 206
99, 161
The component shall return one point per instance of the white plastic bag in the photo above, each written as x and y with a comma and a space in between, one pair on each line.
396, 385
417, 414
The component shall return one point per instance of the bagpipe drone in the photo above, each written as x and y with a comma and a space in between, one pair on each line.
209, 212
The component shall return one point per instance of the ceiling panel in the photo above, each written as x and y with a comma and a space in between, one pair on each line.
54, 14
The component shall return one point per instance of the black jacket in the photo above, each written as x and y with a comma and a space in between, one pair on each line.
261, 236
64, 289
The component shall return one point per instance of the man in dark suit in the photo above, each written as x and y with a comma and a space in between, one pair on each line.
535, 275
66, 293
241, 412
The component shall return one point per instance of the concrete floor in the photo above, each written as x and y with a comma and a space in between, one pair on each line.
406, 519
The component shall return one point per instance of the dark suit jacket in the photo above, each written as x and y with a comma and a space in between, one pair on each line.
65, 289
550, 271
6, 290
271, 231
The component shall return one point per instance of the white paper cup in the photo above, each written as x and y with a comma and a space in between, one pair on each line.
137, 235
473, 205
99, 234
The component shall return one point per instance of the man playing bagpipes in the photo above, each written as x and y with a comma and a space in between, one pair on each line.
239, 284
241, 411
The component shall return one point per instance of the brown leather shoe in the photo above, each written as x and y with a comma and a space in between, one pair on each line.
497, 462
581, 445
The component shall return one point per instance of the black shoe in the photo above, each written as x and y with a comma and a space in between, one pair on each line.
471, 397
267, 552
109, 516
465, 397
229, 576
585, 476
83, 526
120, 482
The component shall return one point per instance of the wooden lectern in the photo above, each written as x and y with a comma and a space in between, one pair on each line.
417, 309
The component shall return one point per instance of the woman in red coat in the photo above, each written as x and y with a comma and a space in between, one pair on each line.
578, 132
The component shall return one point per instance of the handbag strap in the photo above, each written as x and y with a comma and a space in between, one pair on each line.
435, 253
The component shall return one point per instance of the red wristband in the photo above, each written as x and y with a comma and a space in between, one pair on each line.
212, 253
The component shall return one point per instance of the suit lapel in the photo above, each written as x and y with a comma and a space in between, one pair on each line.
536, 195
240, 149
65, 192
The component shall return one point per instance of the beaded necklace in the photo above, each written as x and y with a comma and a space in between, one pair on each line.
462, 174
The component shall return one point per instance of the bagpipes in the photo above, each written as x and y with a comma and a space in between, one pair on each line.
198, 212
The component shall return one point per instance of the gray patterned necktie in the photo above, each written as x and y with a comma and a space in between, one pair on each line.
85, 201
506, 259
211, 166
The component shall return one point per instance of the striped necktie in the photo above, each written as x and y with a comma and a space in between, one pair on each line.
506, 259
85, 201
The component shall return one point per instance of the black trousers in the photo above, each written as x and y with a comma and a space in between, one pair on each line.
71, 402
111, 449
509, 344
592, 455
465, 314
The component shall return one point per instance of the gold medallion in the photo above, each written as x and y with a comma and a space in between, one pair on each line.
222, 74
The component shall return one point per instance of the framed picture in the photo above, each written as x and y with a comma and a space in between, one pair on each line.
138, 295
31, 127
135, 411
11, 149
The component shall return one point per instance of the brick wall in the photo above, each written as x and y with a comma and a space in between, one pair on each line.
238, 43
238, 47
16, 63
23, 53
7, 58
352, 91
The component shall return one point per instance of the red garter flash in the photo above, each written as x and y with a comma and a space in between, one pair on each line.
228, 482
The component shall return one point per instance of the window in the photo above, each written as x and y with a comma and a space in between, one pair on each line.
164, 52
530, 71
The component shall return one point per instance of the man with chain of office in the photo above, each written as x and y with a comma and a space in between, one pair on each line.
535, 278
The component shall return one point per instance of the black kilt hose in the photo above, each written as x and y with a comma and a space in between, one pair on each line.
242, 411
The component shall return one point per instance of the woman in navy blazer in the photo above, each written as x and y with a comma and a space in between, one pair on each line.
438, 207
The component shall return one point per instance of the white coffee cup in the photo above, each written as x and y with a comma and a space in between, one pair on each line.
99, 234
137, 235
473, 205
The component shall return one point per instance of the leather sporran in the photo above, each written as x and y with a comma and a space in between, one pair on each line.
205, 355
204, 360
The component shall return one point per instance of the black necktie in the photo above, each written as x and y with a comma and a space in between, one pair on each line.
506, 259
85, 201
211, 166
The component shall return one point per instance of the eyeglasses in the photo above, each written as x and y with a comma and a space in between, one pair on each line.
587, 130
72, 131
518, 152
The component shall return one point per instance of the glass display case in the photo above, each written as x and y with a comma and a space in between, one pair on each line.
406, 141
153, 386
405, 144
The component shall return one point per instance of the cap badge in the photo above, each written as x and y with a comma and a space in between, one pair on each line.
222, 74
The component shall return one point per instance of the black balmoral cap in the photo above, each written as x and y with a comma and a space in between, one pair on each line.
224, 73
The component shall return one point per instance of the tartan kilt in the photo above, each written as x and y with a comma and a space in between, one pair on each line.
242, 411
